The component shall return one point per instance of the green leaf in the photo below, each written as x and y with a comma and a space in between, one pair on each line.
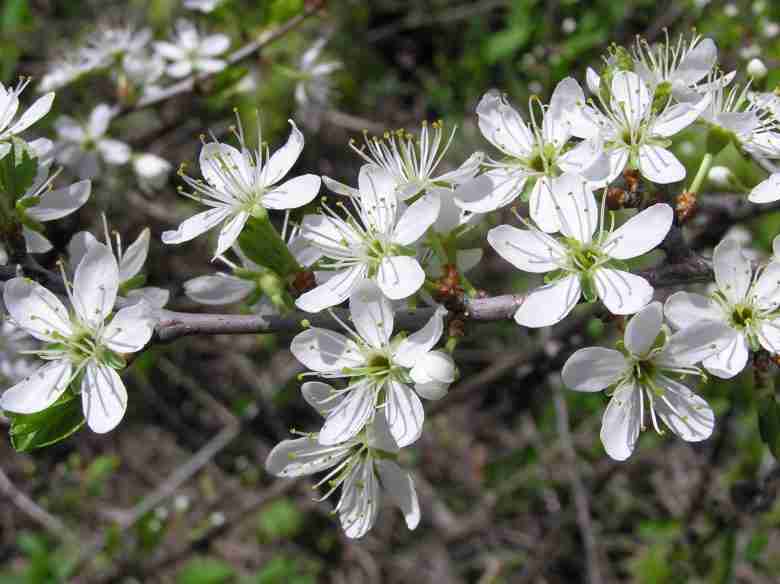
204, 570
17, 171
31, 431
769, 423
264, 246
281, 519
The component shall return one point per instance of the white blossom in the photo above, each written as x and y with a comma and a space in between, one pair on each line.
313, 90
633, 133
413, 161
152, 171
85, 344
364, 469
375, 240
584, 264
532, 157
204, 6
190, 52
10, 125
238, 184
745, 302
82, 146
643, 376
378, 368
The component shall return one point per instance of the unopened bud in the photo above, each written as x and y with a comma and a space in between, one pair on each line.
756, 69
720, 176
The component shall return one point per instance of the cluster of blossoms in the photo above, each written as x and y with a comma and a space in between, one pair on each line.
402, 236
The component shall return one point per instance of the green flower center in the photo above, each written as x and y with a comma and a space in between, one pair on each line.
742, 316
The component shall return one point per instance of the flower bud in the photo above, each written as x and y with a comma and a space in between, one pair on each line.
151, 170
756, 69
720, 176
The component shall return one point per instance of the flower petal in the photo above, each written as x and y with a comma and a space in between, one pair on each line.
294, 193
767, 191
416, 220
35, 242
324, 350
678, 117
502, 126
218, 289
435, 366
399, 486
351, 415
114, 151
593, 369
332, 292
130, 330
377, 197
196, 225
659, 165
39, 312
643, 329
372, 314
39, 390
62, 202
630, 96
214, 45
103, 397
622, 292
695, 343
731, 360
134, 256
576, 207
767, 288
549, 304
360, 498
526, 250
732, 269
400, 276
283, 159
685, 413
421, 341
321, 396
684, 309
304, 456
622, 422
404, 412
35, 112
490, 191
769, 335
95, 284
230, 231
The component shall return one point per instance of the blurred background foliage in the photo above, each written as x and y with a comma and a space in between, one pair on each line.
494, 479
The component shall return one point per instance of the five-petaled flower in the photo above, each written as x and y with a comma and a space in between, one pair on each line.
84, 346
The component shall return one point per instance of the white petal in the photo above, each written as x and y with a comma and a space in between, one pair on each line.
372, 314
34, 241
643, 328
576, 207
640, 234
153, 296
59, 203
39, 390
542, 206
464, 172
593, 369
196, 225
698, 62
230, 231
502, 126
99, 120
169, 50
321, 396
621, 423
526, 250
324, 350
677, 118
34, 113
114, 151
416, 220
130, 330
377, 197
732, 269
214, 45
205, 65
36, 310
490, 191
769, 335
421, 341
283, 159
400, 276
219, 162
622, 292
593, 80
630, 96
404, 412
340, 188
565, 97
684, 309
350, 416
587, 159
432, 390
360, 498
767, 289
335, 291
303, 456
685, 413
78, 246
294, 193
134, 256
95, 284
659, 165
218, 289
695, 343
399, 486
103, 397
767, 191
549, 304
435, 366
730, 361
618, 158
179, 69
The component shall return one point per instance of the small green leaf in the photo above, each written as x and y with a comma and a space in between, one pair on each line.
31, 431
264, 246
205, 570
